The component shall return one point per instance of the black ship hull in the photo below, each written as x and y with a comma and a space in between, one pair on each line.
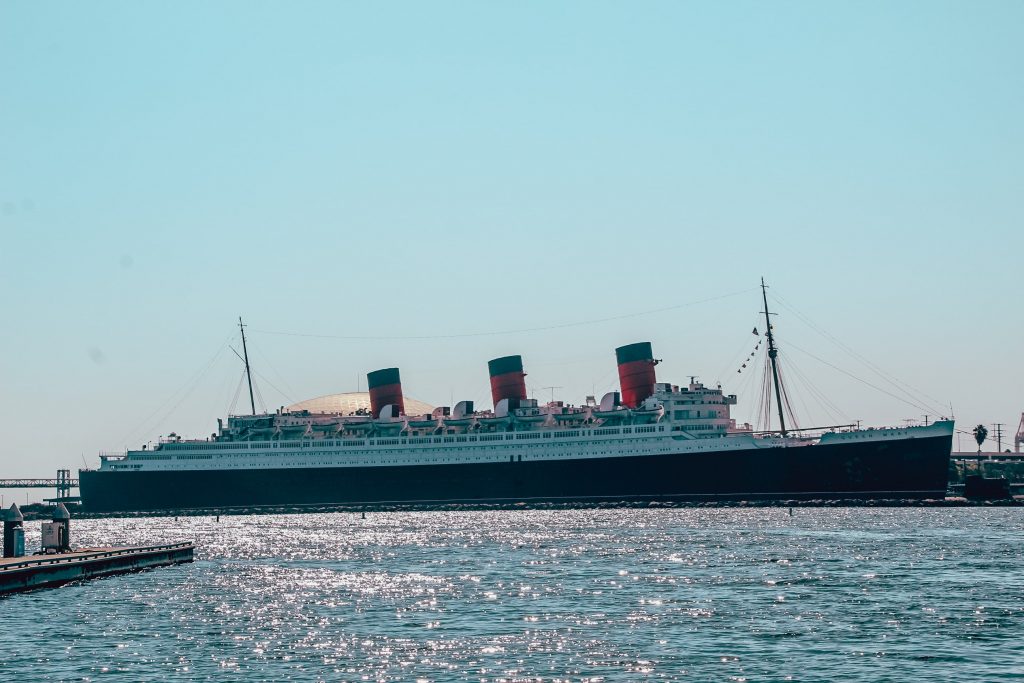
910, 468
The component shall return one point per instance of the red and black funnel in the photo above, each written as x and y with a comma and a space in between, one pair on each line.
507, 378
636, 372
385, 388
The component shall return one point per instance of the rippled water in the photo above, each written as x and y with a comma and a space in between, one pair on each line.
615, 595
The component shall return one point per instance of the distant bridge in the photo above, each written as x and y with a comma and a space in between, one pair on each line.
36, 483
63, 483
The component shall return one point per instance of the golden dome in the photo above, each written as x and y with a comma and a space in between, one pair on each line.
346, 404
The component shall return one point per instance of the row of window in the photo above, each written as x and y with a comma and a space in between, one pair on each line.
478, 458
189, 445
690, 414
407, 441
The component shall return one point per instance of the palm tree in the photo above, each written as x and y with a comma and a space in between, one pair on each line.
980, 434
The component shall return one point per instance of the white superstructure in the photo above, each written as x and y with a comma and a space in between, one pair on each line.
673, 420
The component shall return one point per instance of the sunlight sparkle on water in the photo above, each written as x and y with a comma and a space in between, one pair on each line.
698, 594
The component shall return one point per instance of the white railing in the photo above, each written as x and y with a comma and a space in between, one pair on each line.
113, 455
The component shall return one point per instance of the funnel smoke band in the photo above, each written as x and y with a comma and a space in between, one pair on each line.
507, 378
636, 372
385, 387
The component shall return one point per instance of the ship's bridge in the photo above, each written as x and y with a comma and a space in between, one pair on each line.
696, 408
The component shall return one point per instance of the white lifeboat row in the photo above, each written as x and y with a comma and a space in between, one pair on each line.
506, 416
509, 415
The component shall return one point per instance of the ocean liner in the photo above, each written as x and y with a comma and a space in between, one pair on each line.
650, 441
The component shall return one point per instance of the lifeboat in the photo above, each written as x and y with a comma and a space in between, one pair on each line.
326, 427
614, 414
261, 434
292, 433
503, 421
648, 414
460, 421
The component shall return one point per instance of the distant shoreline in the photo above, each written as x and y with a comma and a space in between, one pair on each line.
41, 511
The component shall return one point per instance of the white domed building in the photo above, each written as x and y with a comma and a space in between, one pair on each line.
353, 402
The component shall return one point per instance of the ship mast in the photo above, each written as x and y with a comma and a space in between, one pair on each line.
248, 372
772, 353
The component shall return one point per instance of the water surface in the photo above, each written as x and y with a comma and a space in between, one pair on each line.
853, 594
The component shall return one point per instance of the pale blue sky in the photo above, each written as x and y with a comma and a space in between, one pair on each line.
438, 168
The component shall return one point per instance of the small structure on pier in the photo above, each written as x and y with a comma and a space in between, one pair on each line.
14, 532
57, 534
57, 563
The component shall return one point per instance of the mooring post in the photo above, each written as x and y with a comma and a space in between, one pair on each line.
14, 532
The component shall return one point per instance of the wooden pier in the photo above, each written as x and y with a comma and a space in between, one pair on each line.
44, 571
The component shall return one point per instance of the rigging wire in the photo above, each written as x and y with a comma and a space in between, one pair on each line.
746, 388
224, 389
272, 386
279, 376
766, 396
148, 424
826, 404
891, 379
608, 383
254, 389
577, 323
259, 397
803, 402
238, 391
862, 381
786, 404
736, 357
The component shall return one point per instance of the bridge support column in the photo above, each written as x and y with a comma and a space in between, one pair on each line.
63, 483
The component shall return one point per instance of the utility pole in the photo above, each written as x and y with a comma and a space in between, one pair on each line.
248, 373
998, 429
